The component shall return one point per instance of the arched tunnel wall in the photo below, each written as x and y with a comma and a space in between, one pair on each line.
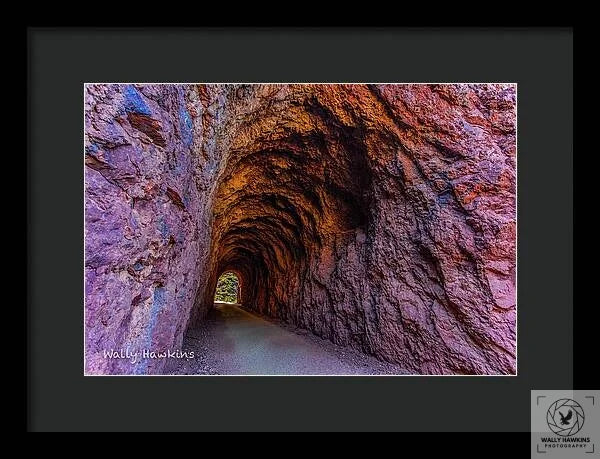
377, 216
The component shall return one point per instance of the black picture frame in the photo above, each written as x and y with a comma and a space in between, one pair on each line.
61, 60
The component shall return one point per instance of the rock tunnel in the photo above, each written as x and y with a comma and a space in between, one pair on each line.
379, 217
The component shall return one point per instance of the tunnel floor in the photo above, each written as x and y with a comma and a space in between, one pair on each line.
233, 341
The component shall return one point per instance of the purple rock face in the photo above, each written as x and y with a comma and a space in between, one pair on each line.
145, 224
378, 217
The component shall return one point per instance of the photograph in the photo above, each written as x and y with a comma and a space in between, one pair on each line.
300, 229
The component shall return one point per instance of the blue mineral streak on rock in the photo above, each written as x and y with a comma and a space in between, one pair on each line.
186, 127
134, 102
141, 367
133, 221
163, 227
158, 303
107, 156
181, 236
91, 148
445, 198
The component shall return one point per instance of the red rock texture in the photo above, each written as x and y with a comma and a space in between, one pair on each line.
380, 217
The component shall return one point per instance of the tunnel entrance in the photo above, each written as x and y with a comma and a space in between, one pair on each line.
228, 288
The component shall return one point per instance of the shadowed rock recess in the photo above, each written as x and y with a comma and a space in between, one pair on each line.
380, 217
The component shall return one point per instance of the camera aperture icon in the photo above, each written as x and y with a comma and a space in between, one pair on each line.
565, 417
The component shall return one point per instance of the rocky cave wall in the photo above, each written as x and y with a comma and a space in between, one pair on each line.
151, 159
377, 216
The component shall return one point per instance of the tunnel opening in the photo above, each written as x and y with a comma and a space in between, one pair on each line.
228, 289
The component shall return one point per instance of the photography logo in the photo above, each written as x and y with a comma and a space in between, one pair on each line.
565, 417
565, 424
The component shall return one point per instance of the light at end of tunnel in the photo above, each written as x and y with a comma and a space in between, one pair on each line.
228, 288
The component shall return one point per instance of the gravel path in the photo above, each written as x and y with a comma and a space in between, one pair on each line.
233, 341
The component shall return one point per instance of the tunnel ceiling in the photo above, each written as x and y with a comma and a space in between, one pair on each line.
377, 216
296, 176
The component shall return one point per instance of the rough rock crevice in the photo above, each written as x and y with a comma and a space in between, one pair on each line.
380, 217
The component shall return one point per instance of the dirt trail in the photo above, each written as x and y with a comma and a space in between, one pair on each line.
233, 341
